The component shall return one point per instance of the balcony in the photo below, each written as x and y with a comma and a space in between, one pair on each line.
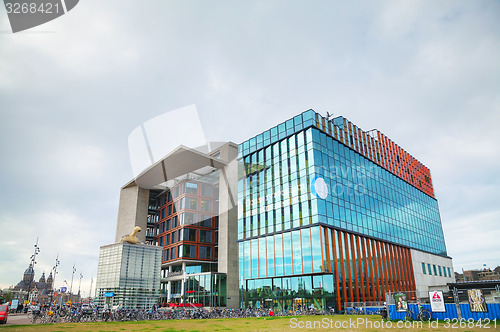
175, 273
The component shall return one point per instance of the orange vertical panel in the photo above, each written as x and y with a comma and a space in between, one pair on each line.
406, 269
380, 268
362, 267
339, 238
394, 267
354, 265
407, 284
410, 269
371, 256
401, 268
349, 268
322, 243
409, 276
336, 269
386, 269
327, 244
391, 267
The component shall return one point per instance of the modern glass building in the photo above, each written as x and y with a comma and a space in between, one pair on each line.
187, 202
330, 214
128, 274
314, 211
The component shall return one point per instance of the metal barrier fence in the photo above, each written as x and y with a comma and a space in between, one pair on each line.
456, 304
363, 308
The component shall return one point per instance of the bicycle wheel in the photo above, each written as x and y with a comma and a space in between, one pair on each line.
408, 316
425, 315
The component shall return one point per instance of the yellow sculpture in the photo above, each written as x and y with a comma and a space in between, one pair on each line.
131, 238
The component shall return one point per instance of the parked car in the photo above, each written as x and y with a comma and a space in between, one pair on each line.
4, 312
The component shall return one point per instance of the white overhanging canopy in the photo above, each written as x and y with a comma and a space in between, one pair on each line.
179, 162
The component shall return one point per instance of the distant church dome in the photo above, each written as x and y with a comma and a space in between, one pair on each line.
29, 274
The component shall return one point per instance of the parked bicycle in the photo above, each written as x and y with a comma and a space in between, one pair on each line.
422, 314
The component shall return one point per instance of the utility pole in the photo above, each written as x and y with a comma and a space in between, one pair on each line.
32, 265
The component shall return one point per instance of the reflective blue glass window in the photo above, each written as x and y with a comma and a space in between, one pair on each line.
297, 252
287, 253
278, 252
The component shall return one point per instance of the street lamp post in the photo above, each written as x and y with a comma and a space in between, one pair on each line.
32, 265
62, 296
71, 287
79, 285
90, 291
54, 278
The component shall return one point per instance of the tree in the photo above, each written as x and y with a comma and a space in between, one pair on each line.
7, 296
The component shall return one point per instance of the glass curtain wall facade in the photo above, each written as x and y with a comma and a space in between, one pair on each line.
128, 274
324, 220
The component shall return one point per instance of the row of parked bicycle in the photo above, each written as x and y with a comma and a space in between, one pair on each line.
64, 314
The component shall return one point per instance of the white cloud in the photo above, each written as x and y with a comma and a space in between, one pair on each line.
424, 73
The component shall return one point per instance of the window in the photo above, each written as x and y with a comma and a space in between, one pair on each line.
162, 227
206, 205
189, 203
440, 272
444, 271
191, 188
206, 221
423, 268
205, 252
174, 222
173, 252
435, 270
207, 190
166, 256
449, 273
205, 236
188, 251
167, 225
189, 218
174, 237
189, 234
429, 269
167, 239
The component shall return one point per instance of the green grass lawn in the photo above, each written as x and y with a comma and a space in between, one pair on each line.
301, 323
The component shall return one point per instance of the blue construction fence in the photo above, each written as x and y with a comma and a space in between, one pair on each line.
451, 312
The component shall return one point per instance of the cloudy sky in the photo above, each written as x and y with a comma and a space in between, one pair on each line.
425, 73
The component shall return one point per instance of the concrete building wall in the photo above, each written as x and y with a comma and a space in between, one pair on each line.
228, 222
132, 211
426, 282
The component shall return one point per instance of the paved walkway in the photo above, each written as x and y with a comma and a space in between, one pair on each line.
18, 319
